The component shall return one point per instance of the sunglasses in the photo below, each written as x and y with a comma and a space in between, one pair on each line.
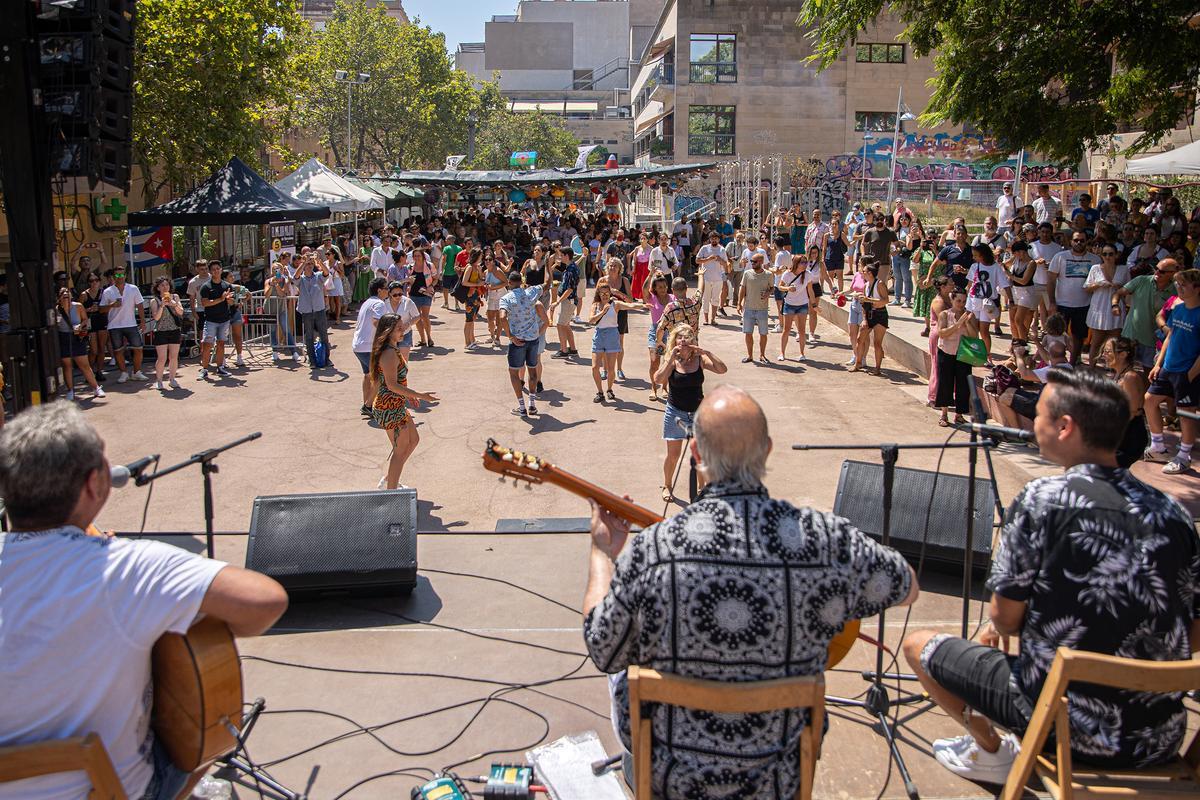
1164, 271
398, 294
1109, 254
1079, 241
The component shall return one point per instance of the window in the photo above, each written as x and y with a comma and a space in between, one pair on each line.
714, 58
875, 121
879, 53
711, 130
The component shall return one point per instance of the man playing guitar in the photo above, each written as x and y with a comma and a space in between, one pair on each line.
736, 587
79, 614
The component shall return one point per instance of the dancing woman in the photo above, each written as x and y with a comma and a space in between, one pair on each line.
390, 407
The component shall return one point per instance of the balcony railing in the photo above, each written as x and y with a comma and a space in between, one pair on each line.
656, 146
662, 75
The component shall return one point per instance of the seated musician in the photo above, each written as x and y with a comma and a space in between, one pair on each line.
79, 614
736, 587
1092, 559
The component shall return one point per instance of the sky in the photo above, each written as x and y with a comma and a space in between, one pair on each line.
460, 20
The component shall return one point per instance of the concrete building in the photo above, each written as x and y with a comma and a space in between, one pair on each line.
567, 57
318, 12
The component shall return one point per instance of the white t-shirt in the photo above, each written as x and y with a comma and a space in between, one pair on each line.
747, 254
984, 282
713, 270
1048, 252
684, 231
1046, 209
1006, 209
407, 310
381, 258
78, 617
364, 329
124, 315
663, 260
1143, 251
1072, 271
796, 287
196, 284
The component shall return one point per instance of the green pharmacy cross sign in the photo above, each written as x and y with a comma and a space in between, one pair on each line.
115, 208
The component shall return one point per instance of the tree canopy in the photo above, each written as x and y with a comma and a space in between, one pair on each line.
502, 133
1057, 78
212, 79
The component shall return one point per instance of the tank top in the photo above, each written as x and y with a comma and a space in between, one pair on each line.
65, 326
419, 281
685, 390
609, 320
166, 322
950, 344
657, 308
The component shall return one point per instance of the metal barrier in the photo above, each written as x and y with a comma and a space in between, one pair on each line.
264, 318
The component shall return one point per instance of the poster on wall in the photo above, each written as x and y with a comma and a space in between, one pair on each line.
283, 239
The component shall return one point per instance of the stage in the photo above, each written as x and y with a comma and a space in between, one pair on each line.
314, 441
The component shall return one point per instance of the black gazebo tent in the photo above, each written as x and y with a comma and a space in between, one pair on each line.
234, 195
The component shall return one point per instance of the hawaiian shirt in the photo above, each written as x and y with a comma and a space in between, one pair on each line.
685, 310
1110, 565
520, 305
736, 587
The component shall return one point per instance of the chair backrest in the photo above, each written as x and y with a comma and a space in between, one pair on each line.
80, 753
1103, 670
651, 686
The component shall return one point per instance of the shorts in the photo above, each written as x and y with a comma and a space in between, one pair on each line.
606, 340
167, 781
364, 360
622, 322
856, 313
1029, 297
677, 424
123, 338
473, 304
422, 300
566, 312
652, 338
1076, 317
71, 346
236, 317
818, 292
406, 340
982, 677
979, 308
449, 282
875, 317
216, 330
1176, 384
172, 336
493, 299
523, 355
788, 308
751, 317
779, 294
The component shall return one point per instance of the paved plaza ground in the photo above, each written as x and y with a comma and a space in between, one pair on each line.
483, 632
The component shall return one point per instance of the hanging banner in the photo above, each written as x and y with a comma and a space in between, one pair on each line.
584, 151
452, 162
524, 159
283, 239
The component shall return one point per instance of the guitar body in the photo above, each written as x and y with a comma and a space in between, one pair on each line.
197, 691
523, 466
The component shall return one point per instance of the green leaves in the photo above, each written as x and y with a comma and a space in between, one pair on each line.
1057, 78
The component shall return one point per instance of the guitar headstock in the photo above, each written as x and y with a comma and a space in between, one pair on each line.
513, 463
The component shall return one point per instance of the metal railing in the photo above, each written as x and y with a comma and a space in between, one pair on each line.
588, 81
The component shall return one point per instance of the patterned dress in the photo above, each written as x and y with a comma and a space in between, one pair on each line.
923, 297
389, 409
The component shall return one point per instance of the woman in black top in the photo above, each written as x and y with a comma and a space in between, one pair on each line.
682, 372
89, 298
875, 319
1121, 356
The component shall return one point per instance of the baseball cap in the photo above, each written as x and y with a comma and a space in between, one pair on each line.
1029, 226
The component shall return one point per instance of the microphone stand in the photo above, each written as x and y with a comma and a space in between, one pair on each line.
207, 461
878, 702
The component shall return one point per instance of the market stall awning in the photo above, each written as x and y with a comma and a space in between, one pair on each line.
234, 195
395, 195
468, 179
314, 182
1180, 161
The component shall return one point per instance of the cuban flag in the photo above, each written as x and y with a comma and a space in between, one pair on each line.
149, 247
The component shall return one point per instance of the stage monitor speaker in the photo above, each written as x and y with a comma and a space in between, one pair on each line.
860, 500
346, 542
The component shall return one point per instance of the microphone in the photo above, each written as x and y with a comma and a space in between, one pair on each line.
1003, 432
121, 474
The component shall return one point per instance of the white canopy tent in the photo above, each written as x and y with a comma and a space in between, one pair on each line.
1183, 160
316, 183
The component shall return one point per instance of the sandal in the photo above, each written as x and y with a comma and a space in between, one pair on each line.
666, 494
943, 423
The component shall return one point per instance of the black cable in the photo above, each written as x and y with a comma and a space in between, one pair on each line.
539, 595
402, 772
146, 505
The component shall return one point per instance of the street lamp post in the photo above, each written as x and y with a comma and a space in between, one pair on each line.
472, 121
343, 76
903, 114
867, 137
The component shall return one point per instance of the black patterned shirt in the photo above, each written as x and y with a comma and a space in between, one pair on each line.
1110, 565
736, 587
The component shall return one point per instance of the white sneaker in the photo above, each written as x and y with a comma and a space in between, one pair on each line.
139, 376
71, 394
781, 358
275, 358
124, 377
383, 482
174, 384
968, 760
851, 362
811, 341
158, 385
1177, 465
100, 392
202, 375
801, 357
239, 362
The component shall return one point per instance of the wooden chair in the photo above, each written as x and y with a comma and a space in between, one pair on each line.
81, 753
1176, 779
650, 686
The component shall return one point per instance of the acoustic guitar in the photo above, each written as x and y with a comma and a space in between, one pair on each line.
523, 466
197, 693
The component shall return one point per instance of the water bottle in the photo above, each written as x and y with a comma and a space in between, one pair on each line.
210, 788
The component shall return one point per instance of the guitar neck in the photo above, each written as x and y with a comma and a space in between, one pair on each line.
613, 503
